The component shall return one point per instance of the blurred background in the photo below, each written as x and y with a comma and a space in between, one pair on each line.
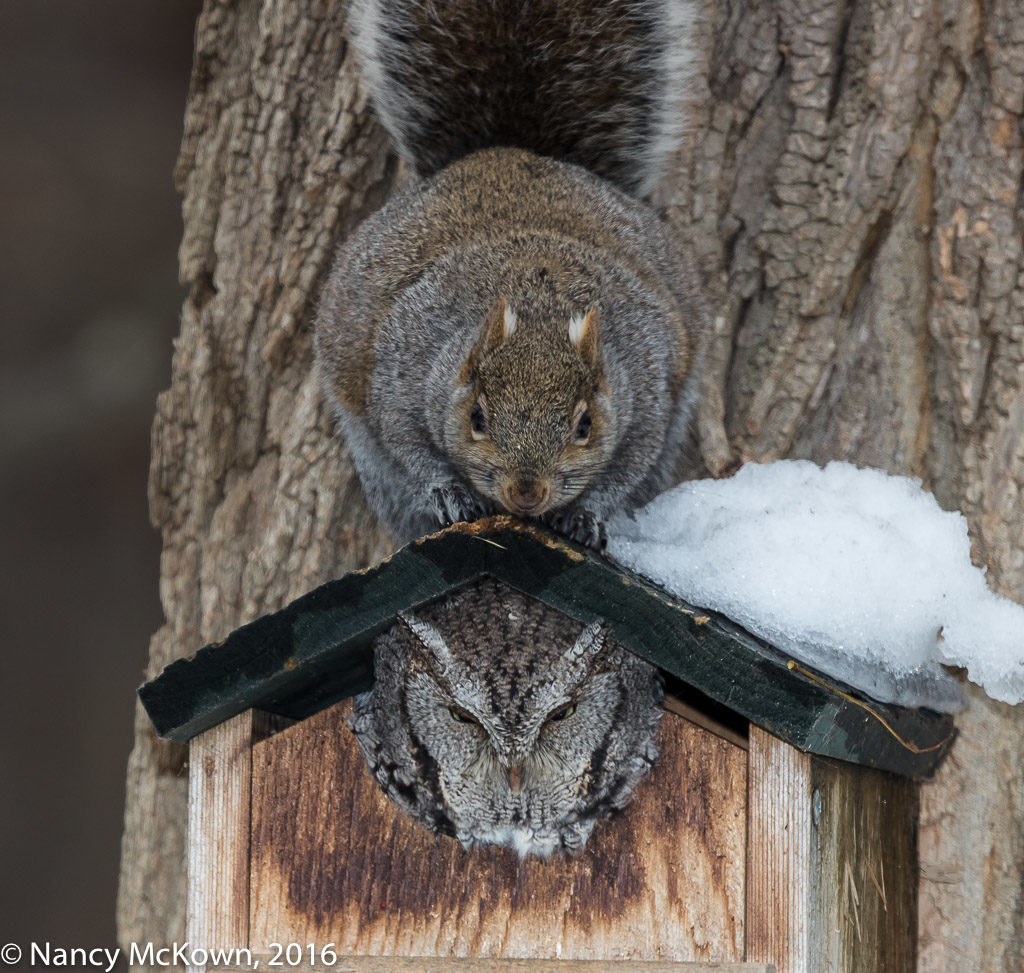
91, 104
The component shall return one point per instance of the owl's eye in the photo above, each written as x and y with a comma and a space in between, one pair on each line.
478, 421
561, 714
581, 428
461, 716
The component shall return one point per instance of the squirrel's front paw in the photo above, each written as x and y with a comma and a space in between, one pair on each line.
580, 525
453, 503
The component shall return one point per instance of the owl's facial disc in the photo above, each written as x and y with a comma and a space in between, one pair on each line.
497, 720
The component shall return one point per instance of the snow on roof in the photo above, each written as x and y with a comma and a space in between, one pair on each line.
855, 572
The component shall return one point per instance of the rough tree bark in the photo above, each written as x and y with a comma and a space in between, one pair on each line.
853, 188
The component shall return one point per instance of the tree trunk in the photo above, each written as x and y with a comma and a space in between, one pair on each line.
852, 188
256, 502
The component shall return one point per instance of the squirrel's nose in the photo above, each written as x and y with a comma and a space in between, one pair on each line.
528, 498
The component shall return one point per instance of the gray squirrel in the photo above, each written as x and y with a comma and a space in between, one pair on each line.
517, 331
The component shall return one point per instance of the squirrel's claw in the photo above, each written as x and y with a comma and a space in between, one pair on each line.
453, 504
580, 525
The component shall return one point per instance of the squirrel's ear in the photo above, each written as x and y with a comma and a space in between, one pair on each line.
585, 335
499, 324
498, 327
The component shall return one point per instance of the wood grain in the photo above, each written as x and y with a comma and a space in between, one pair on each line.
335, 861
426, 964
831, 873
219, 801
778, 854
863, 915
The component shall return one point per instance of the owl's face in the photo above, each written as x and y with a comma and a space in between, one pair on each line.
501, 721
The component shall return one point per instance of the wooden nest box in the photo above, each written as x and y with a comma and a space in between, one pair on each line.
777, 829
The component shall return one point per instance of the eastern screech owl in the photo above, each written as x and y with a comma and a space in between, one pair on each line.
498, 720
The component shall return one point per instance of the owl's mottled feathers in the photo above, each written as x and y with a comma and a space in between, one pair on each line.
498, 720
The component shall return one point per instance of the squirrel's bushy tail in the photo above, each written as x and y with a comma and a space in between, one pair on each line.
596, 82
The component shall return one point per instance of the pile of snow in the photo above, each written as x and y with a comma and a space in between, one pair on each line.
854, 572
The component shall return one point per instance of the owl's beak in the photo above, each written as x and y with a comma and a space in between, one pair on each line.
515, 778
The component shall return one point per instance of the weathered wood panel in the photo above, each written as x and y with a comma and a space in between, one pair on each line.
335, 861
778, 853
451, 964
219, 825
219, 796
863, 915
832, 864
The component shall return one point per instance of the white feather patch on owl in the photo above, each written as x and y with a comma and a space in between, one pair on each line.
510, 321
590, 641
525, 841
528, 842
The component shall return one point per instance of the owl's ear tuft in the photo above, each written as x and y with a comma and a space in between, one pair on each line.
589, 643
429, 637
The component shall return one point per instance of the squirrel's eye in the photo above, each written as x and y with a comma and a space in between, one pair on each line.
581, 432
563, 713
478, 421
460, 715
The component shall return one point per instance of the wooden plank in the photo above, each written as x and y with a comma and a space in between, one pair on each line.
832, 864
864, 856
333, 861
317, 650
428, 964
219, 819
778, 853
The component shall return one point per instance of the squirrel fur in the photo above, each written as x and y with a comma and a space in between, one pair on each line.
518, 330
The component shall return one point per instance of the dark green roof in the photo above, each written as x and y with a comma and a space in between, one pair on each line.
318, 649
